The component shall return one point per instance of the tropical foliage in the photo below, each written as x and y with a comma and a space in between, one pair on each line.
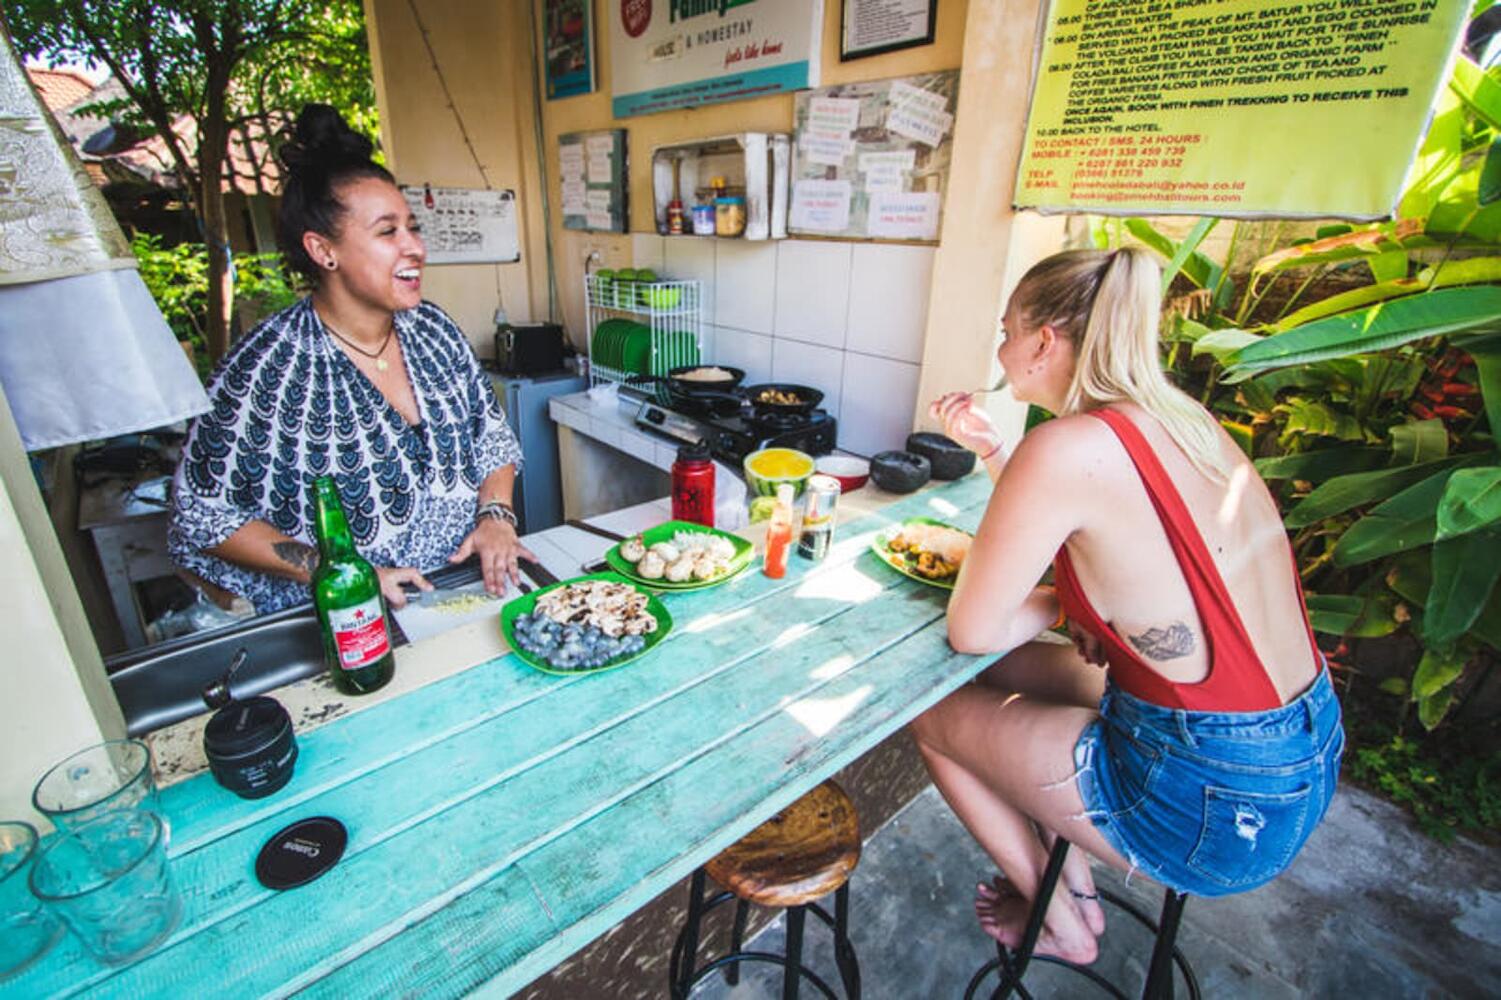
1361, 369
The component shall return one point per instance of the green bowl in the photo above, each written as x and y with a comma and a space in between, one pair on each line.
768, 468
662, 297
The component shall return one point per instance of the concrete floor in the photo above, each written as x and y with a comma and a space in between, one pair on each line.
1371, 908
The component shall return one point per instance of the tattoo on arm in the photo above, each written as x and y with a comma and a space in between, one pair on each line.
1165, 643
298, 555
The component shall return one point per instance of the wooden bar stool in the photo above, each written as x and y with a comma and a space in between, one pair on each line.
801, 854
1011, 965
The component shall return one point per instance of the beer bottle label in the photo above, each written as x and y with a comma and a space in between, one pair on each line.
359, 634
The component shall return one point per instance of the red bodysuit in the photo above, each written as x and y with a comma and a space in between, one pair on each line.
1237, 680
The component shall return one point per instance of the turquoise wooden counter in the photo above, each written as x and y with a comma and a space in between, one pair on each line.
501, 819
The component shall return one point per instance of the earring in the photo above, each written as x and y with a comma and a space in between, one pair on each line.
331, 264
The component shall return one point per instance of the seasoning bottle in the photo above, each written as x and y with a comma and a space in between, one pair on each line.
675, 217
346, 594
693, 485
779, 534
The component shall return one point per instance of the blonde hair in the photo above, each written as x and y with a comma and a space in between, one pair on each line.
1108, 305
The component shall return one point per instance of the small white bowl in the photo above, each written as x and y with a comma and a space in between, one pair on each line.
852, 471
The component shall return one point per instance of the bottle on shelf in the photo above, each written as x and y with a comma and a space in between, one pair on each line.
347, 597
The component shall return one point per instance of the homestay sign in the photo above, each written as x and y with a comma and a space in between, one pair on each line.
667, 54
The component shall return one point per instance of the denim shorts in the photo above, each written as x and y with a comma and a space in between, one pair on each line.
1210, 803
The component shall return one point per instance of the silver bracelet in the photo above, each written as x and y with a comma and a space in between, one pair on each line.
497, 510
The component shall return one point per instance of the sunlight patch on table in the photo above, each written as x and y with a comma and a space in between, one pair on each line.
845, 583
942, 507
820, 715
715, 619
791, 634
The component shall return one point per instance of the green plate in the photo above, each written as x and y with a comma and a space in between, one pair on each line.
526, 602
636, 351
663, 533
898, 562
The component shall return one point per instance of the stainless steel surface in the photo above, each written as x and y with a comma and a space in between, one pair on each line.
164, 684
595, 529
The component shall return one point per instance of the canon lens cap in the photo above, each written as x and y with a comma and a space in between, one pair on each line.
302, 852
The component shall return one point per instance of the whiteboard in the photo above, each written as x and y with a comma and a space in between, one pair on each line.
466, 226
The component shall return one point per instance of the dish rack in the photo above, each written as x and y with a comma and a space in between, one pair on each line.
670, 318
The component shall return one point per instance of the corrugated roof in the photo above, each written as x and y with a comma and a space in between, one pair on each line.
60, 88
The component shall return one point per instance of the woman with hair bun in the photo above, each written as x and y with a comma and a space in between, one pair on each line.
362, 379
1208, 749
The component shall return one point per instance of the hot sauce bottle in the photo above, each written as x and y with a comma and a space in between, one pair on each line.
779, 534
693, 485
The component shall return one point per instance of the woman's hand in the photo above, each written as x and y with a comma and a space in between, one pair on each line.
966, 424
1088, 644
391, 579
498, 548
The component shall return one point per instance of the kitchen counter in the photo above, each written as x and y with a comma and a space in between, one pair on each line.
501, 819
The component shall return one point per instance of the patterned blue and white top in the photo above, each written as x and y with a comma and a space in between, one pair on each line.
289, 406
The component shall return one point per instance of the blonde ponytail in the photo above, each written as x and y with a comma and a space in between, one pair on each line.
1108, 305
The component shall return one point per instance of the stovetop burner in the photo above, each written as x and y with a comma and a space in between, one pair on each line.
735, 436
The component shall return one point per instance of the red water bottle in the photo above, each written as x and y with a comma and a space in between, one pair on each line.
693, 485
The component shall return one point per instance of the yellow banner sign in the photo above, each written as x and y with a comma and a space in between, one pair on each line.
1233, 107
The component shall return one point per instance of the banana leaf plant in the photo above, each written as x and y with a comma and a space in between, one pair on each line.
1374, 410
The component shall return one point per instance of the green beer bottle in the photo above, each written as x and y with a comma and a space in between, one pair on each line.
346, 592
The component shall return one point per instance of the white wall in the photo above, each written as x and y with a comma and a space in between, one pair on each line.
847, 318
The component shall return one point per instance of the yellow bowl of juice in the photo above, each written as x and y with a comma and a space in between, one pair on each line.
769, 467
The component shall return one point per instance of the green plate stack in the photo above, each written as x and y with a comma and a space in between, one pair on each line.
665, 533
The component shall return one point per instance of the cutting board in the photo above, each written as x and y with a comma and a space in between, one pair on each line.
437, 611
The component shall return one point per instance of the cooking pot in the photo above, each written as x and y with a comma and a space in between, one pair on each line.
807, 397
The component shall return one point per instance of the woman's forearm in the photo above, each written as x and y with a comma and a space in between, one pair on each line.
499, 486
986, 632
258, 546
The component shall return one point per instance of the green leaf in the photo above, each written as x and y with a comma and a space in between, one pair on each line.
1347, 615
1244, 435
1325, 463
1471, 501
1406, 521
1357, 489
1345, 302
1411, 576
1378, 328
1198, 268
1419, 441
1438, 160
1464, 573
1478, 89
1490, 175
1394, 685
1436, 670
1362, 244
1431, 710
1187, 249
1306, 416
1389, 266
1222, 344
1487, 354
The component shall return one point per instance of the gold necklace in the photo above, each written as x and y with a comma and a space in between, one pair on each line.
381, 363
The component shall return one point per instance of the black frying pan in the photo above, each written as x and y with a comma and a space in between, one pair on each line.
808, 399
718, 396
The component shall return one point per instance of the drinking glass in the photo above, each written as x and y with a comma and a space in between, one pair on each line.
27, 929
104, 778
109, 882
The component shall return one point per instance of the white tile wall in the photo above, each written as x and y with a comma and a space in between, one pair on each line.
810, 364
888, 310
879, 396
743, 349
813, 284
745, 284
849, 318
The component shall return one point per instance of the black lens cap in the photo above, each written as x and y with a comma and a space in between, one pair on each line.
302, 852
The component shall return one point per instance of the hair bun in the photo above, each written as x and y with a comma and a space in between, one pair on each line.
320, 141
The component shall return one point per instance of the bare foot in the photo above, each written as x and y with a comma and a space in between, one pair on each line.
1002, 913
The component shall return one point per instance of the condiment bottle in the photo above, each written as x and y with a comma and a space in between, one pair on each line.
693, 485
779, 534
675, 217
346, 594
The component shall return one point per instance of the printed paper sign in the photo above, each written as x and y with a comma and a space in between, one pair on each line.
1239, 108
822, 206
574, 197
901, 159
822, 147
571, 161
600, 170
916, 121
886, 178
833, 114
598, 201
598, 220
905, 95
600, 145
912, 216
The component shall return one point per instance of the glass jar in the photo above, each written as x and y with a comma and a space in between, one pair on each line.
729, 215
693, 485
703, 219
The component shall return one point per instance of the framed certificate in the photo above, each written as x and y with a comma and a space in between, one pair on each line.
871, 27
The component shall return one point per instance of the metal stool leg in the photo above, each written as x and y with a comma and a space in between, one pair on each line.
1159, 984
1014, 966
844, 952
680, 970
796, 916
737, 940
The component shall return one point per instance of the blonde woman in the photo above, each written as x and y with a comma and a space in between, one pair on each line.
1207, 750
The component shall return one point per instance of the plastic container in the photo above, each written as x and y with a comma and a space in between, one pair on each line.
779, 535
729, 215
703, 220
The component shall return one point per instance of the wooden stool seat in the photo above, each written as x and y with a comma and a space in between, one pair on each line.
806, 851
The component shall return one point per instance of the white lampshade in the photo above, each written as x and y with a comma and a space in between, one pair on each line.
84, 351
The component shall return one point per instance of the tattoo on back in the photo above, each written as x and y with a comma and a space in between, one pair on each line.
1165, 643
300, 556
